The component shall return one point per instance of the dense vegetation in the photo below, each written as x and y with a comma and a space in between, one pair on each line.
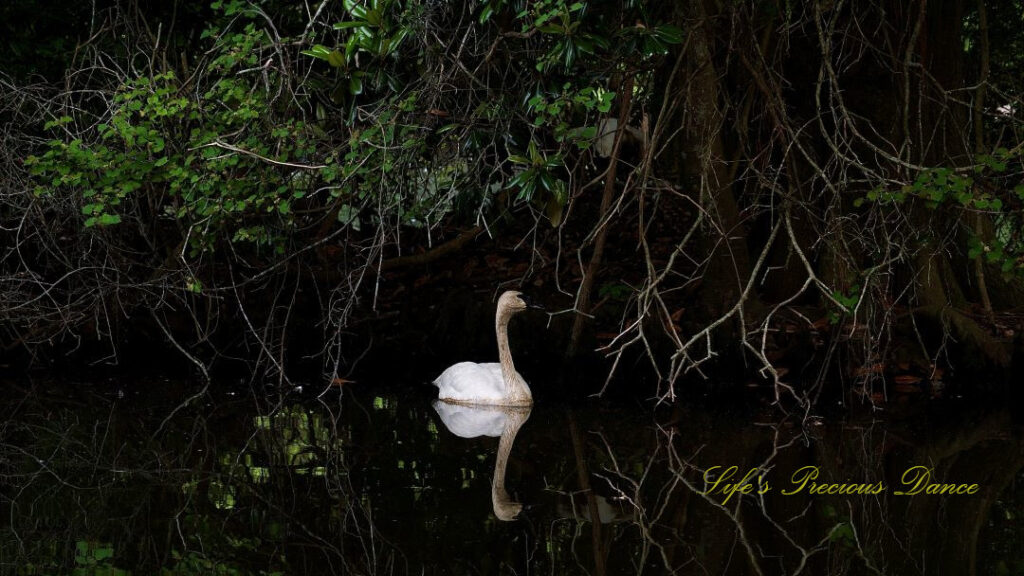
841, 181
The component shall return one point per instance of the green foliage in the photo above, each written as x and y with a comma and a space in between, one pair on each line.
848, 302
561, 21
649, 42
539, 173
213, 160
95, 559
370, 38
935, 186
298, 438
843, 535
558, 111
385, 162
983, 188
938, 186
370, 58
571, 35
194, 563
1006, 256
615, 291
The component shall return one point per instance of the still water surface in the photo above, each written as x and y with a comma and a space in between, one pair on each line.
117, 478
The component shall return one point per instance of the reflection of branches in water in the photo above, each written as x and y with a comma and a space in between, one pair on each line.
56, 463
681, 521
310, 487
90, 470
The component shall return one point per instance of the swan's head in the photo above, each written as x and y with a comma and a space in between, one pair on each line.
516, 302
507, 511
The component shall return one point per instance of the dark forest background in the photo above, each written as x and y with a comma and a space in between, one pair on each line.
820, 189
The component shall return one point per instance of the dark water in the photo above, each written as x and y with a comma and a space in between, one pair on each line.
119, 477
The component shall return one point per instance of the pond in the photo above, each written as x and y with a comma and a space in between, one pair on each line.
118, 477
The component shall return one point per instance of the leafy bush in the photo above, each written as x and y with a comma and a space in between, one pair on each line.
216, 161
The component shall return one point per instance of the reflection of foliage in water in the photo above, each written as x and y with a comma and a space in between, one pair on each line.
97, 493
233, 487
1003, 534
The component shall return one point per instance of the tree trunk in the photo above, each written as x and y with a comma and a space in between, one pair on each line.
704, 170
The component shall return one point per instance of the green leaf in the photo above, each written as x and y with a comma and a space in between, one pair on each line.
585, 44
570, 54
318, 51
534, 153
357, 11
842, 532
547, 181
486, 13
349, 216
351, 24
351, 46
109, 219
355, 85
669, 34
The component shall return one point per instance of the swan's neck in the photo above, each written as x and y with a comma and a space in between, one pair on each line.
504, 507
508, 437
514, 386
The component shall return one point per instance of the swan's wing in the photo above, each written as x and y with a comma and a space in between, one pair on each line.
471, 382
494, 369
471, 421
489, 371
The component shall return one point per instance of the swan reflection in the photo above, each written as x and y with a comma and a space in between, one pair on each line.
504, 421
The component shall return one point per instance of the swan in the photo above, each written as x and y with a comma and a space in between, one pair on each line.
505, 421
495, 383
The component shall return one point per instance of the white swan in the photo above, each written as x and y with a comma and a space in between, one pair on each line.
495, 383
504, 421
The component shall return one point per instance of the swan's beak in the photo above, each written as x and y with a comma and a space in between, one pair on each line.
530, 302
527, 511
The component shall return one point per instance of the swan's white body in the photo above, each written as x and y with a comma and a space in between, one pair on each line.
472, 383
494, 383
